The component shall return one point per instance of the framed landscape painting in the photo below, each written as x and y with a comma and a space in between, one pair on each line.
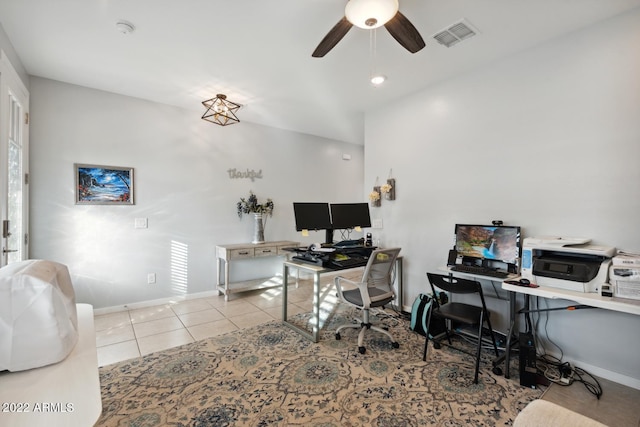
103, 185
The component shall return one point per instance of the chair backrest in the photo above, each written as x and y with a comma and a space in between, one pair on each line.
454, 285
380, 266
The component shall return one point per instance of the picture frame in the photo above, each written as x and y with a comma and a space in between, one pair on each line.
103, 185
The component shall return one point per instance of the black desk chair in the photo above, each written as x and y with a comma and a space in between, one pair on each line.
375, 289
466, 314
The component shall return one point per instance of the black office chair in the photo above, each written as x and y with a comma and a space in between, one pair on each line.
466, 314
375, 289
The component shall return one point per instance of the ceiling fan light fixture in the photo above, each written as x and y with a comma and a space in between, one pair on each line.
220, 111
369, 14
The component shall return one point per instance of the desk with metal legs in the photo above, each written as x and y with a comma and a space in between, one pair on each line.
583, 300
317, 272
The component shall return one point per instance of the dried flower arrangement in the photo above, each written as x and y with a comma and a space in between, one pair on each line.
251, 205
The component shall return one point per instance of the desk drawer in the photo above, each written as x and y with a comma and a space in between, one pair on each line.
241, 253
266, 251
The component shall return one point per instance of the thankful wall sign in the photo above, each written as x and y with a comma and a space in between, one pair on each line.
247, 174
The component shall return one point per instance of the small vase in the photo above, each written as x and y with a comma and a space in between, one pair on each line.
391, 194
376, 203
258, 228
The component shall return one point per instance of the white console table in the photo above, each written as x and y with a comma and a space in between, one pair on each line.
66, 393
227, 254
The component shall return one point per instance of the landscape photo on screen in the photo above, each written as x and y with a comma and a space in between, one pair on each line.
487, 242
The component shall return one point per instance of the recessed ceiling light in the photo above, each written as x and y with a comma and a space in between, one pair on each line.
378, 80
125, 27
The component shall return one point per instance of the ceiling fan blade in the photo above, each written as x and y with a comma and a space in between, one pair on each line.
332, 38
405, 33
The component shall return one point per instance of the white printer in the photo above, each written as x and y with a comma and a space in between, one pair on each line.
566, 262
624, 277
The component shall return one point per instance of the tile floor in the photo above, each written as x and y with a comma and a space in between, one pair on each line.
136, 332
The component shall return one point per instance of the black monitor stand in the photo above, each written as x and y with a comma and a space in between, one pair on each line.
328, 238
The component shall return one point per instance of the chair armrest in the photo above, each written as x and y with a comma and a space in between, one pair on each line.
380, 297
338, 281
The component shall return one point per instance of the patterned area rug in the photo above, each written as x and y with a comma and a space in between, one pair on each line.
270, 375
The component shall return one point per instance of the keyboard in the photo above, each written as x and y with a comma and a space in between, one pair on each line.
349, 244
481, 271
296, 249
310, 259
349, 262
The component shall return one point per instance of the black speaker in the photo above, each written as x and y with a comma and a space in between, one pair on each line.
453, 256
528, 369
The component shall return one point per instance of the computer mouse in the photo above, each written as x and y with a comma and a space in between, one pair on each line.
524, 281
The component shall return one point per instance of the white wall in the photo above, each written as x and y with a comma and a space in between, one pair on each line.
7, 48
549, 140
181, 185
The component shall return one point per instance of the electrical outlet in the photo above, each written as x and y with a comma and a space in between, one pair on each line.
376, 223
141, 223
151, 278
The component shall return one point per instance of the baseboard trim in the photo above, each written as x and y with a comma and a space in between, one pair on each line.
151, 303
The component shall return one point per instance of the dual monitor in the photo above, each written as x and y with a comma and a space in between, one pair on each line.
336, 216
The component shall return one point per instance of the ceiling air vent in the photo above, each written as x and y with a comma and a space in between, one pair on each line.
455, 33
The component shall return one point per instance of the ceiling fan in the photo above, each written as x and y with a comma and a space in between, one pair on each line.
370, 14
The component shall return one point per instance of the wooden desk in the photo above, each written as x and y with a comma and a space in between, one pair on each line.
227, 254
66, 393
582, 298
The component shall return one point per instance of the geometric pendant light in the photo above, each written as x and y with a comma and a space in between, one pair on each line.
220, 111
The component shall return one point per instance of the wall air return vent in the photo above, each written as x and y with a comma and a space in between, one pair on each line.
455, 33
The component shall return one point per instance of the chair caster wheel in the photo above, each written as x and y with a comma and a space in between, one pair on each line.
395, 345
362, 350
436, 345
497, 370
338, 337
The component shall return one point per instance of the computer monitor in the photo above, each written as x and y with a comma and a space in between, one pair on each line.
489, 242
350, 215
311, 216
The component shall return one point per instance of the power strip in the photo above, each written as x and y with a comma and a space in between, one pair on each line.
566, 374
